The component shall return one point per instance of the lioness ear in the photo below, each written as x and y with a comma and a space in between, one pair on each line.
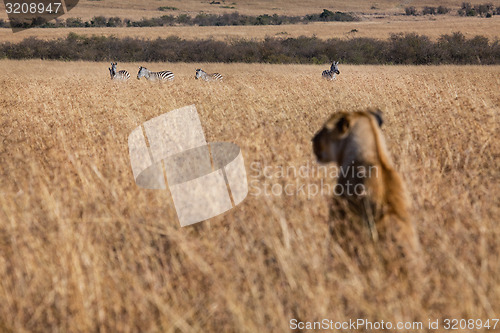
378, 115
342, 125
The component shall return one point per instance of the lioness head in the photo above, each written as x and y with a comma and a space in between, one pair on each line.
340, 131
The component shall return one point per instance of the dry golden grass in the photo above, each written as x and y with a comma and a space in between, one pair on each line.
82, 248
134, 9
380, 29
376, 23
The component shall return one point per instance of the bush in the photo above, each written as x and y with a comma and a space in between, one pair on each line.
74, 23
165, 8
98, 21
411, 49
329, 16
457, 49
466, 6
484, 9
183, 19
411, 11
429, 10
466, 10
441, 10
114, 22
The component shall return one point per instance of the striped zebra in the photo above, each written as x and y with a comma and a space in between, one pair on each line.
155, 76
201, 74
119, 76
330, 74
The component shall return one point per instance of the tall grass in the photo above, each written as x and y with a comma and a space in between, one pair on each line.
82, 248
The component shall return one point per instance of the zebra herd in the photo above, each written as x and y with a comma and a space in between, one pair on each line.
123, 75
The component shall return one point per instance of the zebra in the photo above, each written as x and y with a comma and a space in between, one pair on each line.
201, 74
330, 74
155, 76
120, 76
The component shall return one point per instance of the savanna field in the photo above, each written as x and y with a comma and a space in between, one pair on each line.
83, 248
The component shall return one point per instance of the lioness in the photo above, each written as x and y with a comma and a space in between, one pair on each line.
371, 189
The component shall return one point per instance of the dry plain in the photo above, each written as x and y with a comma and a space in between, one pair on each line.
82, 248
377, 28
378, 20
133, 9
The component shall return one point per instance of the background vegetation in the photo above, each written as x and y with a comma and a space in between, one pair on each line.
399, 49
185, 20
484, 10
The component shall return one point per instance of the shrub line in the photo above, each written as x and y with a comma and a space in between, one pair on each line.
228, 19
410, 49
